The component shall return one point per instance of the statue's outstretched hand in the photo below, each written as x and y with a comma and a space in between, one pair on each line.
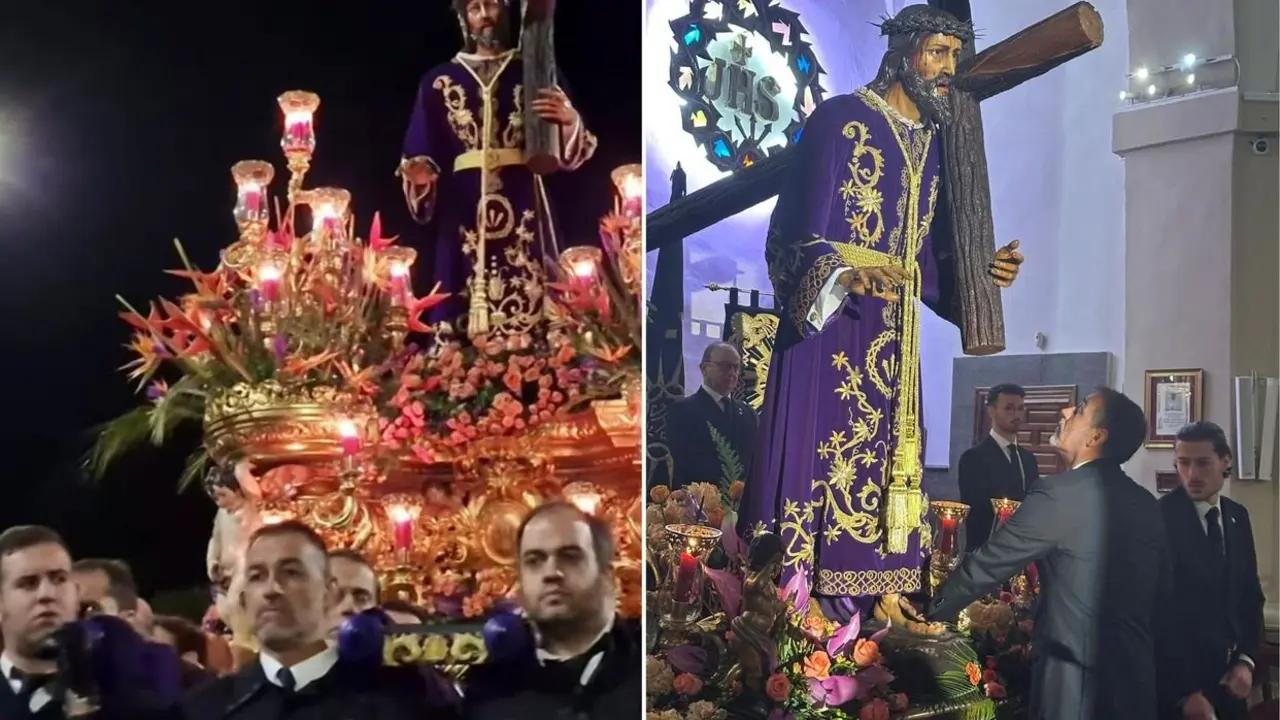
1004, 266
418, 171
554, 106
878, 282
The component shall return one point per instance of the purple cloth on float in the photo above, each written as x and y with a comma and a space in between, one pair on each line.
826, 424
448, 121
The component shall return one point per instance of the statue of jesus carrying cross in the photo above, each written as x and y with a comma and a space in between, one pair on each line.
863, 234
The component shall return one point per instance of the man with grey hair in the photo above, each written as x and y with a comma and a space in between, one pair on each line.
711, 434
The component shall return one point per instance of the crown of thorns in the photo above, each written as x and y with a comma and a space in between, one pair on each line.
933, 24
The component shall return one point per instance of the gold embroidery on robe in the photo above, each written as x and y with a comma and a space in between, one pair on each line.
852, 457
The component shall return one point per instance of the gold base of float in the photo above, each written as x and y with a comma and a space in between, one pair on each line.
464, 510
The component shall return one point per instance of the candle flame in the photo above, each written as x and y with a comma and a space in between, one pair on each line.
325, 212
401, 514
588, 503
250, 186
348, 429
398, 269
268, 272
584, 268
297, 117
633, 186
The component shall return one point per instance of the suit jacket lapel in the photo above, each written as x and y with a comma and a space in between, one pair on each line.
1194, 530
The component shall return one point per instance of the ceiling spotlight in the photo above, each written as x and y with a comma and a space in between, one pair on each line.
1124, 95
1191, 79
1141, 73
1151, 89
1189, 60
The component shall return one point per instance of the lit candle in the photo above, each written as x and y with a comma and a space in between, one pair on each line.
632, 196
269, 282
584, 269
399, 275
350, 438
402, 518
684, 578
252, 178
1005, 512
947, 542
299, 110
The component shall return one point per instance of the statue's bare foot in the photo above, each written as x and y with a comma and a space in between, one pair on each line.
895, 610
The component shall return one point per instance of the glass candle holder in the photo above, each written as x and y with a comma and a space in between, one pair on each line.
682, 587
329, 212
402, 512
1002, 508
252, 179
582, 262
628, 180
947, 521
397, 262
299, 108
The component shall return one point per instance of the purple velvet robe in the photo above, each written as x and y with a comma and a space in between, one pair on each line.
449, 128
827, 437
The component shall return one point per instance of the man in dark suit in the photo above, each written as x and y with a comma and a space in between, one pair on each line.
589, 662
712, 434
1099, 542
996, 467
290, 596
1215, 570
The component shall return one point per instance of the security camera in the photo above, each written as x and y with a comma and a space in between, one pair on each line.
1261, 146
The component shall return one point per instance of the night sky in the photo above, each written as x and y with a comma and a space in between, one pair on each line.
118, 127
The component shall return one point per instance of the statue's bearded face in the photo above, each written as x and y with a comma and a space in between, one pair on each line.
484, 23
928, 80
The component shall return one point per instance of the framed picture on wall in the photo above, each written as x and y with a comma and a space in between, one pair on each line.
1166, 481
1173, 399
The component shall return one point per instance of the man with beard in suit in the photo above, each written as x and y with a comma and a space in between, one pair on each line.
996, 467
290, 596
1104, 612
711, 433
1215, 571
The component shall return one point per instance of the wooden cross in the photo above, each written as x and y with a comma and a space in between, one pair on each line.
1007, 64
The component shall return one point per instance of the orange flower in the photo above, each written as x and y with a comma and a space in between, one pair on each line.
735, 489
778, 687
659, 493
817, 666
974, 672
866, 652
814, 626
877, 709
715, 517
688, 684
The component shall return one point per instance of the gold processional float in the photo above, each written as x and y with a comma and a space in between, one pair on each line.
295, 354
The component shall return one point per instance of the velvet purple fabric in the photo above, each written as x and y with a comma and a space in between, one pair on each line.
863, 175
448, 126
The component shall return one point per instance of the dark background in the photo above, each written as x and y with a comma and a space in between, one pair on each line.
118, 128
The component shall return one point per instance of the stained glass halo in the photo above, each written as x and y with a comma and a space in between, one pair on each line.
742, 28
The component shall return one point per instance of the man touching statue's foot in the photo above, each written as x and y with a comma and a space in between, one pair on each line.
896, 610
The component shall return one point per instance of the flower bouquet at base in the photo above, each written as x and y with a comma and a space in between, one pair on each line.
1001, 634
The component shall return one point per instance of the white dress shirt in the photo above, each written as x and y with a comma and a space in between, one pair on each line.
714, 396
545, 656
39, 699
305, 672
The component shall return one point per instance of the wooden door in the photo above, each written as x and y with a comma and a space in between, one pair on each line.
1045, 404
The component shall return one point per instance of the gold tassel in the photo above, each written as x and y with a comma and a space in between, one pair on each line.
898, 519
478, 314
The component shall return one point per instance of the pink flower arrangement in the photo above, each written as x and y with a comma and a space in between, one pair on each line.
462, 393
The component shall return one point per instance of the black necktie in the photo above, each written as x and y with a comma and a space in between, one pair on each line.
1016, 460
1214, 529
287, 680
724, 404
